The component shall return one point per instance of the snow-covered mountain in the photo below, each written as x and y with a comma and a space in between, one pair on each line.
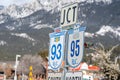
24, 10
104, 30
25, 28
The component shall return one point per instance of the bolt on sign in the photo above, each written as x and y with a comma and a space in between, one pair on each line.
69, 15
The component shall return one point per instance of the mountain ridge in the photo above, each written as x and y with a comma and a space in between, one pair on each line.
30, 34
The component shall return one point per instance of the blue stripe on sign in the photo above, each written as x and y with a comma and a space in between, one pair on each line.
70, 31
54, 34
80, 29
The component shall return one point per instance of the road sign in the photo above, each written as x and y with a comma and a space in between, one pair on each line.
56, 49
73, 76
54, 76
69, 15
75, 46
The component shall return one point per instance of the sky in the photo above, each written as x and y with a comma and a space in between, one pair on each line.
18, 2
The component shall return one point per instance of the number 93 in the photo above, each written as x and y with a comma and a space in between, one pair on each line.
56, 51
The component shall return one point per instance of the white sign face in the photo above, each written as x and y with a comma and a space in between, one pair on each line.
54, 76
73, 76
75, 46
56, 49
69, 15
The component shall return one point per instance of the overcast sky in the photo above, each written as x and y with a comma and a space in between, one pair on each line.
18, 2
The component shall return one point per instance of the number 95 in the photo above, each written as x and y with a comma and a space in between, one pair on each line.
75, 48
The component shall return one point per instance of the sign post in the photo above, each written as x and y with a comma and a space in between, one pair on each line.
66, 45
16, 64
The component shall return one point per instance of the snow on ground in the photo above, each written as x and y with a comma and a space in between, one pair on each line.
104, 29
2, 43
23, 35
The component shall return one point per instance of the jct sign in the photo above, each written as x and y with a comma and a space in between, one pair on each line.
69, 15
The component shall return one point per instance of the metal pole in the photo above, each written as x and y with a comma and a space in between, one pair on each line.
15, 77
16, 64
65, 55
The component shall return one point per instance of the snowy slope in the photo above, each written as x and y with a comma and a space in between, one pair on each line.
26, 9
20, 11
103, 30
25, 29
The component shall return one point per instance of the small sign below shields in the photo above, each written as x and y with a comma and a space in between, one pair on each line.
74, 76
54, 76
